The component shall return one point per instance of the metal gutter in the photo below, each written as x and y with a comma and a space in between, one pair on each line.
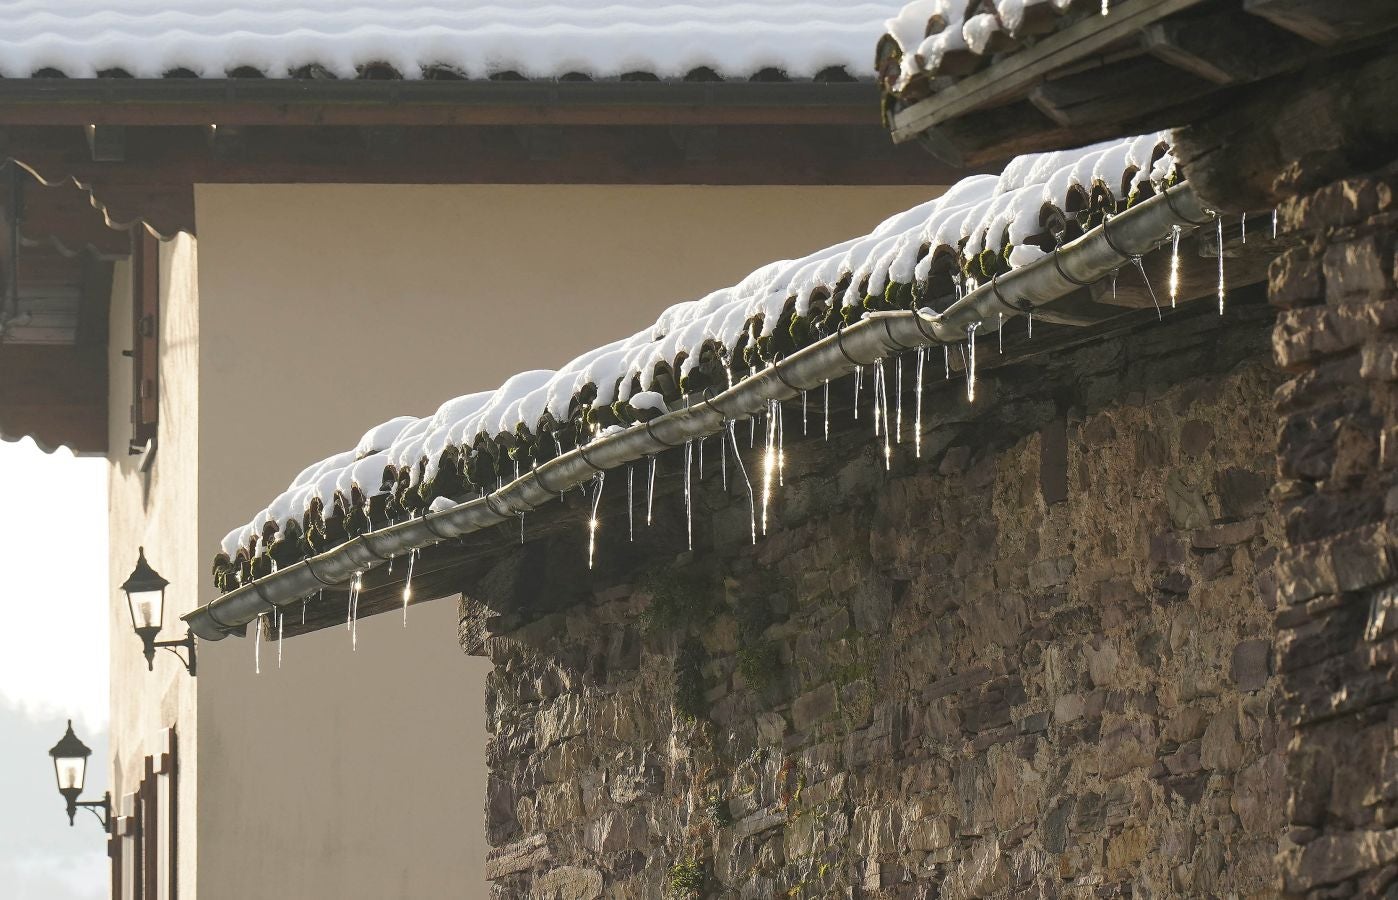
1086, 260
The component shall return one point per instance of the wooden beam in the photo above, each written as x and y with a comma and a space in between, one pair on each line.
1292, 134
1226, 48
1328, 22
1116, 94
1018, 73
249, 101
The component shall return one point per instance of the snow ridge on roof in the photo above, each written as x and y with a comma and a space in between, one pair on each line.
536, 38
982, 226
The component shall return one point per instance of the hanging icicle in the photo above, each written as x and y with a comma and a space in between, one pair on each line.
408, 585
701, 457
878, 378
971, 362
1174, 265
752, 506
304, 601
1000, 334
631, 501
356, 586
1141, 267
1243, 224
804, 430
769, 462
281, 631
1274, 223
1106, 4
723, 457
688, 492
858, 380
1221, 289
257, 645
827, 409
650, 493
946, 349
592, 523
917, 416
881, 401
1030, 318
898, 399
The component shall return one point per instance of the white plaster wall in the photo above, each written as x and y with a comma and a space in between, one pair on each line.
155, 510
326, 309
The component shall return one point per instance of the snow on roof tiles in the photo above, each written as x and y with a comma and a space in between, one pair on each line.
982, 226
535, 38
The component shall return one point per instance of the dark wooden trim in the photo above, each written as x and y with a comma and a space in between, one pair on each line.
253, 101
145, 346
150, 833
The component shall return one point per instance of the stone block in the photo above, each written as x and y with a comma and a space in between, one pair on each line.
1379, 358
813, 706
1185, 502
1224, 535
568, 883
1293, 279
1349, 201
1250, 664
1354, 271
1308, 335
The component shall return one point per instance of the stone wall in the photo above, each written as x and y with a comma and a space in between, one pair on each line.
1035, 663
1334, 579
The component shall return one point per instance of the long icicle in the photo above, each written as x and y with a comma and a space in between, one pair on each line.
858, 380
917, 416
898, 398
1221, 290
1141, 267
881, 400
723, 459
769, 462
946, 349
752, 506
1000, 334
592, 523
408, 585
688, 492
257, 645
650, 493
827, 409
281, 631
971, 362
804, 430
701, 458
355, 587
878, 376
1174, 265
631, 501
1243, 223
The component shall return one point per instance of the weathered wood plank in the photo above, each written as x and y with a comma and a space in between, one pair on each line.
1119, 93
1328, 22
1018, 73
1226, 48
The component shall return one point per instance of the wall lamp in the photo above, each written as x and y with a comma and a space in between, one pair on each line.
145, 595
70, 768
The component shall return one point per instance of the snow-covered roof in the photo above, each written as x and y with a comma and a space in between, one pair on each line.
534, 38
983, 226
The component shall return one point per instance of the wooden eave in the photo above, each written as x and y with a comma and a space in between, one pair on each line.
1149, 64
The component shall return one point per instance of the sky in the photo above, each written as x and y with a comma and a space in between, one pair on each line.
53, 666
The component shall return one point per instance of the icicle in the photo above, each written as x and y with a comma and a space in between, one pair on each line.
878, 378
723, 458
650, 492
688, 494
917, 416
752, 431
769, 463
1105, 5
1114, 274
971, 362
827, 409
1000, 333
859, 380
1174, 265
881, 400
804, 430
592, 522
946, 349
1030, 317
752, 507
781, 445
304, 601
898, 399
1274, 223
631, 501
701, 457
1221, 291
257, 645
281, 630
356, 586
521, 529
1141, 267
408, 585
1243, 223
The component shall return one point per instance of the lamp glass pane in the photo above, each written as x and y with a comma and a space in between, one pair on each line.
71, 771
145, 608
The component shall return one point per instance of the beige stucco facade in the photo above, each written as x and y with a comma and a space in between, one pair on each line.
320, 311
